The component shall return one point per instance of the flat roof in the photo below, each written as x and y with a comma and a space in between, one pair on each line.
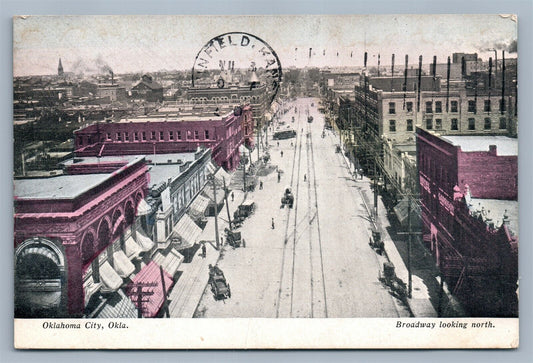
495, 209
58, 187
504, 145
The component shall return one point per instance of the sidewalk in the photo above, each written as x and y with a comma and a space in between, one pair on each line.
419, 303
189, 288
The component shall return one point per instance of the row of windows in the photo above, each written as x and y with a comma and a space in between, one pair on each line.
172, 135
487, 125
454, 106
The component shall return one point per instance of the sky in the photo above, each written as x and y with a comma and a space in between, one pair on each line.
150, 43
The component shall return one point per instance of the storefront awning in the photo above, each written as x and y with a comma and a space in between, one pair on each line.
171, 262
110, 277
150, 274
402, 211
144, 241
119, 306
122, 264
90, 288
133, 250
186, 231
143, 208
198, 206
208, 193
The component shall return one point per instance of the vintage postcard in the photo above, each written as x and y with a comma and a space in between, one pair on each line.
201, 182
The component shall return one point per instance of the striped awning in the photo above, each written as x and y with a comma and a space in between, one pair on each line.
90, 288
109, 277
133, 250
143, 208
198, 206
144, 241
122, 264
150, 274
186, 231
118, 305
170, 262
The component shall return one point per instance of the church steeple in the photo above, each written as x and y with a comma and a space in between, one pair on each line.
60, 68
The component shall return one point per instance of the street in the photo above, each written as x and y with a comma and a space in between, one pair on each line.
311, 261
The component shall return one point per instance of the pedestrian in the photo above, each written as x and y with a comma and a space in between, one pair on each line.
279, 176
281, 153
278, 143
272, 223
305, 177
222, 241
260, 185
291, 144
204, 250
232, 196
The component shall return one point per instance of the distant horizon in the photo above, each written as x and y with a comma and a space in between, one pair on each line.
172, 42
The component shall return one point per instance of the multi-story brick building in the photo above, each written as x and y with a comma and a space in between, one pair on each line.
468, 193
146, 135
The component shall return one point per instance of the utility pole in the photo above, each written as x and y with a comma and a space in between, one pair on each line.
227, 206
409, 233
244, 175
165, 301
140, 295
375, 190
216, 210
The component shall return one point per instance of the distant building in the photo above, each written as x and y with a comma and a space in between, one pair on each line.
112, 92
60, 68
467, 57
144, 135
148, 89
468, 194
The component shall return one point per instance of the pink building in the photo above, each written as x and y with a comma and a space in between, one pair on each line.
68, 235
144, 135
468, 192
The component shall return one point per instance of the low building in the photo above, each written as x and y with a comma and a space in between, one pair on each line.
468, 193
147, 89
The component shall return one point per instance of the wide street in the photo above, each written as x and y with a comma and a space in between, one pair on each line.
316, 261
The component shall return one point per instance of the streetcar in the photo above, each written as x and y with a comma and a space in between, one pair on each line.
284, 134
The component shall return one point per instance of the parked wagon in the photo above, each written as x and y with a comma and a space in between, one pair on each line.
287, 199
219, 286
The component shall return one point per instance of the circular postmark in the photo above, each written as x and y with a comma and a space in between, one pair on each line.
238, 51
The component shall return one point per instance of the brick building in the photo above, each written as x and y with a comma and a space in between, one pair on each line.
468, 193
146, 135
65, 229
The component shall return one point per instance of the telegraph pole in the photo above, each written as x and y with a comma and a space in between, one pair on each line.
165, 301
227, 206
409, 234
216, 210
